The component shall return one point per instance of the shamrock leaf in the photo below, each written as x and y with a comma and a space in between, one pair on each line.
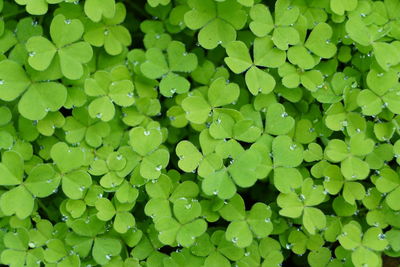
39, 98
284, 34
340, 6
104, 248
66, 158
11, 169
96, 9
18, 201
286, 153
278, 122
189, 156
197, 109
109, 88
319, 41
239, 60
294, 205
70, 52
176, 61
36, 7
109, 32
217, 22
144, 141
388, 181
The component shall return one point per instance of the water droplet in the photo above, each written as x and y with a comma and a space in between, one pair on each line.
184, 54
108, 257
354, 85
380, 30
363, 15
288, 246
158, 168
32, 54
82, 188
292, 147
284, 115
146, 133
328, 41
99, 115
215, 192
218, 121
235, 240
344, 234
158, 36
1, 82
31, 244
379, 74
130, 95
188, 206
100, 195
67, 21
219, 42
247, 254
49, 181
267, 220
302, 197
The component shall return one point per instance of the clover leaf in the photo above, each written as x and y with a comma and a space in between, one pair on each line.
178, 61
238, 60
109, 32
66, 48
218, 22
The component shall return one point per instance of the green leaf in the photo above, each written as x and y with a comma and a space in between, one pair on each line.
286, 153
340, 6
259, 220
41, 52
42, 180
238, 59
144, 141
13, 80
42, 98
278, 122
239, 233
66, 158
350, 237
262, 22
189, 156
11, 168
243, 169
217, 32
196, 108
287, 179
222, 93
104, 248
17, 201
96, 9
220, 184
319, 41
259, 81
74, 184
313, 219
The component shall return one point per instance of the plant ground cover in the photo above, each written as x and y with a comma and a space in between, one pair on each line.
199, 133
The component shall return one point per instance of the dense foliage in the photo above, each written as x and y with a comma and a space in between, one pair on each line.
199, 133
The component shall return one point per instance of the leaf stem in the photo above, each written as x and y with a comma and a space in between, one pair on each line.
137, 8
12, 14
42, 206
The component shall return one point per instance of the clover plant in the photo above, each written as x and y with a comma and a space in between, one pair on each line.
209, 133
